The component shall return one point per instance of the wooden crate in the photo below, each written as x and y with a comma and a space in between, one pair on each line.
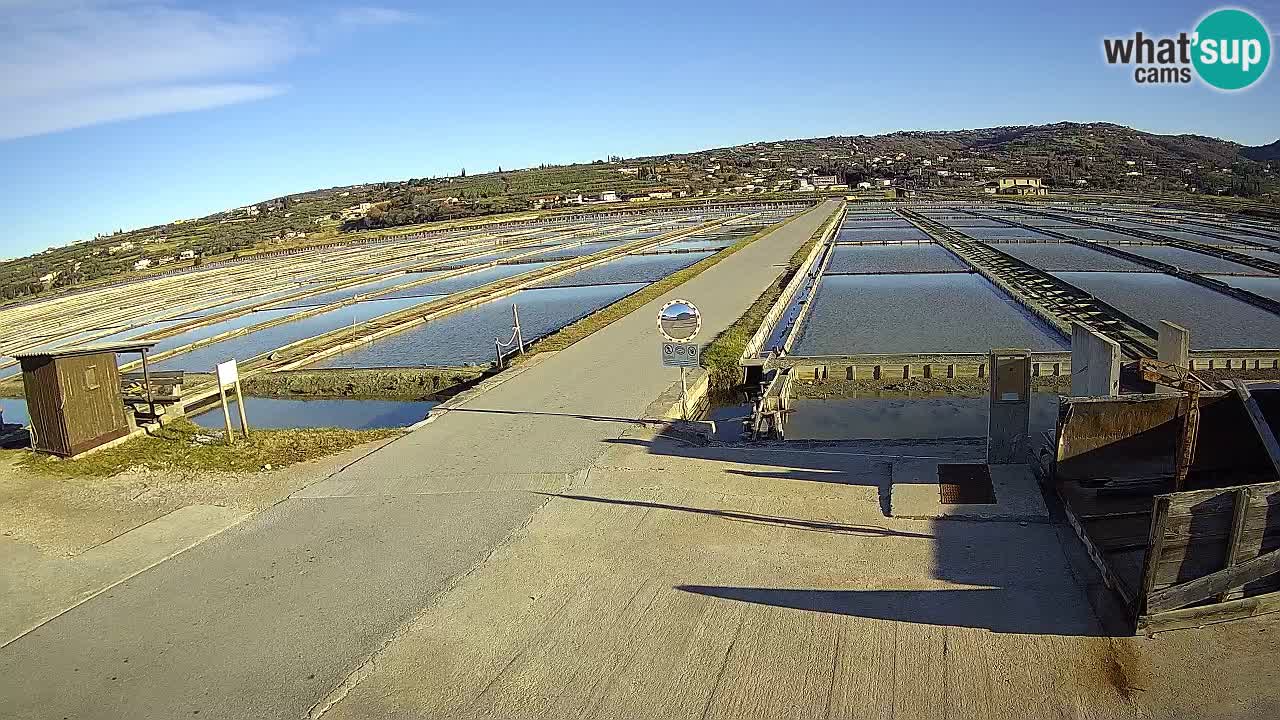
1205, 554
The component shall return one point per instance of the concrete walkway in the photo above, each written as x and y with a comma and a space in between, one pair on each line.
754, 583
278, 616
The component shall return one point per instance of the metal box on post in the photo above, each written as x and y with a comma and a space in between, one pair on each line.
1009, 425
74, 398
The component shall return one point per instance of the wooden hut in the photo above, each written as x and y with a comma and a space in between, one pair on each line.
74, 397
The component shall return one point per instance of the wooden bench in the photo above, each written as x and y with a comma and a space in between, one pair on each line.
166, 386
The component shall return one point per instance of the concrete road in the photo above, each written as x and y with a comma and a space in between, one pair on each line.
753, 583
272, 617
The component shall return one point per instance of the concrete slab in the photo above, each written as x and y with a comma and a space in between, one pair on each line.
37, 588
295, 594
915, 494
704, 582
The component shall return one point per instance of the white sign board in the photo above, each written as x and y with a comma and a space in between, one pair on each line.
679, 321
678, 354
228, 373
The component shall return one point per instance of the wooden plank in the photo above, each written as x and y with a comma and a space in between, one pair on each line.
1203, 524
1184, 501
1120, 532
1155, 546
1209, 614
1237, 530
1126, 566
1109, 578
156, 375
1179, 596
1260, 424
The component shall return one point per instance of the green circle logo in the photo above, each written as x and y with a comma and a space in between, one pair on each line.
1232, 49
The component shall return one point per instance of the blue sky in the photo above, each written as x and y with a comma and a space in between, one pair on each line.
124, 113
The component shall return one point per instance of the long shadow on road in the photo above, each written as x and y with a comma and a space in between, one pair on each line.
1005, 577
791, 523
995, 609
575, 416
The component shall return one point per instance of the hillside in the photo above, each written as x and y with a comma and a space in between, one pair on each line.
1083, 157
1263, 153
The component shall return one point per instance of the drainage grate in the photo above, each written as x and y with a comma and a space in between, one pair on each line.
965, 484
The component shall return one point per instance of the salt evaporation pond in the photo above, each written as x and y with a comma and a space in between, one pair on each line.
918, 313
466, 337
1216, 321
243, 347
898, 258
287, 413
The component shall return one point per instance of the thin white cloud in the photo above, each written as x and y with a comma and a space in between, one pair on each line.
73, 63
105, 46
81, 111
370, 15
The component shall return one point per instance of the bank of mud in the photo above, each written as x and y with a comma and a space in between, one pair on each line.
379, 384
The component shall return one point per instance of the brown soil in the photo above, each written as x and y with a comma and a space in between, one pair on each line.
67, 515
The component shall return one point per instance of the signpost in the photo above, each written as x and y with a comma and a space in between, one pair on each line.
681, 355
679, 321
229, 379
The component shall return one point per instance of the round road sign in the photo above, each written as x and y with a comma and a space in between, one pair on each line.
679, 321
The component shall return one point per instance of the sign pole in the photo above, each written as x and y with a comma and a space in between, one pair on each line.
228, 375
679, 322
226, 414
684, 391
244, 421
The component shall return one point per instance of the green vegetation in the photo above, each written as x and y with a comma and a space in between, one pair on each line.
181, 445
1078, 157
382, 384
720, 357
574, 332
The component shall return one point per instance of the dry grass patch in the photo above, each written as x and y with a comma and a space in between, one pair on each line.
183, 445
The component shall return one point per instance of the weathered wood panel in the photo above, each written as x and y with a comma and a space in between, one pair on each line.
1208, 531
44, 404
74, 401
1214, 584
92, 404
1137, 437
1209, 614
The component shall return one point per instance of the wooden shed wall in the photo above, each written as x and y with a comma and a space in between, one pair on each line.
74, 402
92, 402
44, 405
